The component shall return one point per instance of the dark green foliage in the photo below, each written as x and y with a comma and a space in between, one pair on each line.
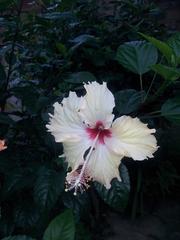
117, 196
61, 227
51, 49
171, 109
128, 101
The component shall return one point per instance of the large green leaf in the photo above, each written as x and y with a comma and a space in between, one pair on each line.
137, 56
171, 110
61, 228
18, 237
168, 73
117, 196
80, 77
48, 186
174, 43
128, 101
163, 47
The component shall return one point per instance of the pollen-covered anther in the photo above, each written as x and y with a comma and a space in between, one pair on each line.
77, 180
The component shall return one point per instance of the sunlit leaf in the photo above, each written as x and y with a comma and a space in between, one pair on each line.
168, 73
174, 43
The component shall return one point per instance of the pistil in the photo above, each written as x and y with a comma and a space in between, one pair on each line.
79, 178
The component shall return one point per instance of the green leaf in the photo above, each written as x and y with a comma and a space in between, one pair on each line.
61, 228
48, 187
18, 237
67, 4
163, 47
117, 196
5, 119
128, 101
5, 4
16, 180
168, 73
26, 215
84, 38
137, 56
57, 16
41, 103
61, 48
174, 43
82, 233
171, 110
29, 96
80, 77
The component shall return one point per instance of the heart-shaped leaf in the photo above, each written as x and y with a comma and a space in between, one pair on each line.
137, 56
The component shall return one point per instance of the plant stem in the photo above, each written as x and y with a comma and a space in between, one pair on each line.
149, 89
155, 112
153, 79
161, 89
141, 83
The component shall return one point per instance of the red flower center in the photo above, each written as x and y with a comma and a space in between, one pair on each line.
98, 129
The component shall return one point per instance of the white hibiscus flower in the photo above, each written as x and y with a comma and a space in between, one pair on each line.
93, 144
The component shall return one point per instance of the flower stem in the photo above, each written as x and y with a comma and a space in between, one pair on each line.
152, 82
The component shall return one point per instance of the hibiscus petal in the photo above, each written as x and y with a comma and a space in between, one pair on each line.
97, 105
103, 165
65, 124
132, 138
74, 152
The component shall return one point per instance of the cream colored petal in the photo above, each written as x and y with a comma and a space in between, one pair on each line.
97, 105
74, 152
65, 124
103, 165
132, 138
